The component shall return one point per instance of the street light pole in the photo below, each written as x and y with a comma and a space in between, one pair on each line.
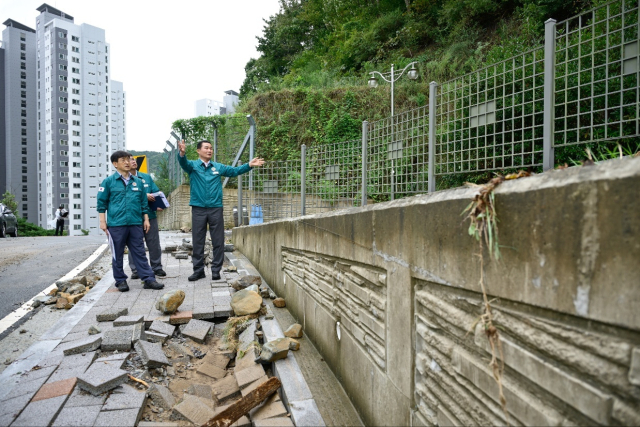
391, 78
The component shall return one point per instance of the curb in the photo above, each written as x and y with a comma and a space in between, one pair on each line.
54, 335
296, 394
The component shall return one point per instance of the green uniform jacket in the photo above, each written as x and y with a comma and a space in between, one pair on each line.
125, 205
206, 187
149, 187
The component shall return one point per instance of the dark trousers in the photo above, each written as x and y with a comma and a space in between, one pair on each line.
60, 226
131, 236
153, 244
200, 218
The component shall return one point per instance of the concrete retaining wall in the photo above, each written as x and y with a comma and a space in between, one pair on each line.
399, 280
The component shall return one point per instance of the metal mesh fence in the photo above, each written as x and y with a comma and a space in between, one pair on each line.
492, 118
276, 190
597, 75
334, 176
398, 154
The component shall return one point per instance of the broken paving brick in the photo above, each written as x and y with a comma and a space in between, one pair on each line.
100, 378
111, 314
151, 354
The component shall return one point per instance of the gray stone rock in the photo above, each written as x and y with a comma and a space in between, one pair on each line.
294, 331
181, 255
201, 390
138, 333
85, 345
229, 247
117, 360
93, 330
244, 282
111, 314
170, 248
246, 302
41, 299
274, 350
264, 292
101, 377
272, 295
248, 336
197, 330
253, 288
170, 301
76, 288
151, 354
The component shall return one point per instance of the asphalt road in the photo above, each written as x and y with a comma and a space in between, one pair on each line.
29, 264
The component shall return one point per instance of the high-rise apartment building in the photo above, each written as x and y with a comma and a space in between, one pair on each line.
118, 115
209, 107
61, 118
18, 146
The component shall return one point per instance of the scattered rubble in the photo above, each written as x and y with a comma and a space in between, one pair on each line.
279, 302
274, 350
170, 301
245, 281
294, 331
246, 302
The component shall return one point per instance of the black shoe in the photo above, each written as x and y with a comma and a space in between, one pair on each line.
152, 284
160, 272
197, 276
134, 275
122, 286
215, 276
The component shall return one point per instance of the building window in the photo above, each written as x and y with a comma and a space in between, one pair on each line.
23, 66
75, 101
24, 169
24, 150
75, 49
76, 185
77, 216
64, 195
64, 142
64, 164
62, 88
23, 75
23, 94
62, 35
24, 198
76, 154
76, 81
24, 160
64, 174
62, 78
24, 132
62, 110
76, 133
75, 70
76, 143
24, 178
76, 164
75, 112
62, 99
77, 196
77, 227
63, 57
76, 122
64, 153
62, 46
23, 85
62, 131
24, 208
24, 122
75, 39
64, 185
77, 206
75, 91
23, 46
63, 121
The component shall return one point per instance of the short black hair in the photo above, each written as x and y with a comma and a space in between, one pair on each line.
117, 155
199, 145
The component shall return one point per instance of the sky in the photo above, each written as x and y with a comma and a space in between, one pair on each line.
167, 54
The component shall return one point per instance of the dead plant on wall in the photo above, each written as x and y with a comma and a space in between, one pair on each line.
483, 227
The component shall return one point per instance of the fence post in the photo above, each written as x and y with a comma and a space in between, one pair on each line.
240, 213
252, 142
215, 144
431, 174
303, 184
365, 136
549, 94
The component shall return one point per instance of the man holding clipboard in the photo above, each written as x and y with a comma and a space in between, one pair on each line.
152, 238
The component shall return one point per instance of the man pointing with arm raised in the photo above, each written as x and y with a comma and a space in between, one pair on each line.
206, 203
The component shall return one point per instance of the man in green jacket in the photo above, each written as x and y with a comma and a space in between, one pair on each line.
152, 237
206, 204
123, 197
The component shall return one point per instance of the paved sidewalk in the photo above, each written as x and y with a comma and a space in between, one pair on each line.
48, 384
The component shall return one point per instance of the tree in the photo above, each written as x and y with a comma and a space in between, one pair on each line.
9, 200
